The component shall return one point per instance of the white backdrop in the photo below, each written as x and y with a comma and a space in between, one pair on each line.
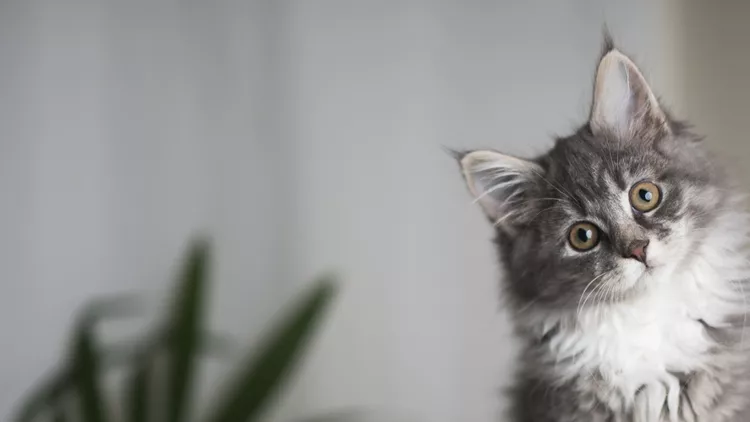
304, 136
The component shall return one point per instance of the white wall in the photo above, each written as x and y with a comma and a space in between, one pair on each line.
305, 136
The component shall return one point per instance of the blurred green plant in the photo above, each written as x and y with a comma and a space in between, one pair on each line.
161, 366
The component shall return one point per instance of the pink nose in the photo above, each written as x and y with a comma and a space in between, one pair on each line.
638, 250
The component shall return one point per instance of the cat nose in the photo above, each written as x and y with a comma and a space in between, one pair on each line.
637, 250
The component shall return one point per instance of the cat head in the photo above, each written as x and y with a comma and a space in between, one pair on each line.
609, 210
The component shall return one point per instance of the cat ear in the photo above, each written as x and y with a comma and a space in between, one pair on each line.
624, 104
498, 181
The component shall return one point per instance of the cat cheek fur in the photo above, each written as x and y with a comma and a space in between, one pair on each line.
604, 337
672, 248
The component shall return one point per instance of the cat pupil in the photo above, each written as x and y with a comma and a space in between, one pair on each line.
645, 195
584, 235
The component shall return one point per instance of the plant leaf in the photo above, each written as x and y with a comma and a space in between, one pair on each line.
185, 326
86, 370
59, 413
245, 395
44, 396
137, 389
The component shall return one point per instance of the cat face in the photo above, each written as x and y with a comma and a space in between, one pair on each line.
609, 211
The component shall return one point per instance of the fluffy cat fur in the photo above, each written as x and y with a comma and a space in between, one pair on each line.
607, 337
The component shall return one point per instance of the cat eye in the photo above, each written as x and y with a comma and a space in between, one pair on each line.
645, 196
583, 236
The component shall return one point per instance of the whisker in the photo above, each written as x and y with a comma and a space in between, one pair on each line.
559, 189
539, 213
582, 305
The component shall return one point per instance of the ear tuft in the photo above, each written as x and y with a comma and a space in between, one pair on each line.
498, 182
608, 43
456, 154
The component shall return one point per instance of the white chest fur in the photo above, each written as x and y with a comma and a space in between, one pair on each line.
644, 342
638, 345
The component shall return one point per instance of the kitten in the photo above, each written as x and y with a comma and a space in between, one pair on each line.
624, 266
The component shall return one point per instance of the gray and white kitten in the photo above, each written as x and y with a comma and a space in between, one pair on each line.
624, 266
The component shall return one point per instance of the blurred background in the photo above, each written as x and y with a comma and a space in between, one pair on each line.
306, 136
